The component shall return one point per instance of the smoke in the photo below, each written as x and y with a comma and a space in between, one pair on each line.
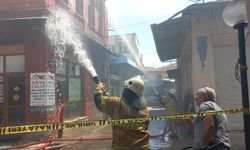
62, 33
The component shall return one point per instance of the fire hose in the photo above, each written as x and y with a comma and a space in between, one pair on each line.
56, 135
49, 141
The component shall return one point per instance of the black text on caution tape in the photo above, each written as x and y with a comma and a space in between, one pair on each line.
78, 124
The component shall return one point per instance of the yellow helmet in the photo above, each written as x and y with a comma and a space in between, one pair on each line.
136, 85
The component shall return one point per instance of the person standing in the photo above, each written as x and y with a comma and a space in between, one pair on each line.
171, 109
131, 136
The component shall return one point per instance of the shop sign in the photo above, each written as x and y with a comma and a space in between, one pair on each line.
42, 89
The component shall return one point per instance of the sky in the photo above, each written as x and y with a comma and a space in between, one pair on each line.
136, 16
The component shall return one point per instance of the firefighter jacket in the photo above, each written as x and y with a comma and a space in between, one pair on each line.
129, 136
170, 105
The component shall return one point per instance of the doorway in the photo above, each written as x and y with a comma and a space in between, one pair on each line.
12, 100
12, 89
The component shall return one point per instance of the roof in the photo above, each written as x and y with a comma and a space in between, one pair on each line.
169, 35
206, 6
160, 69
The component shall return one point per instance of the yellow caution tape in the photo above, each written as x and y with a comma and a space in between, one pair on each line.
78, 124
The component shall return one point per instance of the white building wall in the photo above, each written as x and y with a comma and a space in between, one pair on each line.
219, 71
202, 76
228, 88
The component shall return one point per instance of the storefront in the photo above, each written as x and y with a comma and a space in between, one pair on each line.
12, 85
25, 53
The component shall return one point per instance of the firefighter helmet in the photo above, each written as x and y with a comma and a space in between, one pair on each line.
136, 85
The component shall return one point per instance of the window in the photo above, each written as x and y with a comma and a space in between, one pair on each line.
61, 67
15, 63
91, 12
68, 81
71, 69
101, 24
66, 1
102, 7
74, 89
99, 2
74, 69
68, 87
61, 90
77, 70
1, 64
79, 7
74, 82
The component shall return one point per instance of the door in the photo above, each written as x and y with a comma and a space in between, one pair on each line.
12, 100
12, 85
15, 100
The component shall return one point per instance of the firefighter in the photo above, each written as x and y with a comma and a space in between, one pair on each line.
130, 105
171, 109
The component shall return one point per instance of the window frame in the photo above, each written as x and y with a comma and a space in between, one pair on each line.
79, 7
67, 77
4, 63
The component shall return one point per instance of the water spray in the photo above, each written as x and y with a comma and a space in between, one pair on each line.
94, 75
61, 33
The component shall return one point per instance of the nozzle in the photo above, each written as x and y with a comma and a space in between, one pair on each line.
96, 79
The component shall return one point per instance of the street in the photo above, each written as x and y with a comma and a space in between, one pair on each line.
96, 138
156, 142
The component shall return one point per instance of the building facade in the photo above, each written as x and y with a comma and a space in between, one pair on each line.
126, 45
126, 62
26, 52
206, 50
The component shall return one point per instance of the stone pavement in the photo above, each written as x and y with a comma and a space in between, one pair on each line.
237, 140
91, 132
97, 133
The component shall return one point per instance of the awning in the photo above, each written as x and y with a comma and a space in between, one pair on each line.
124, 66
168, 37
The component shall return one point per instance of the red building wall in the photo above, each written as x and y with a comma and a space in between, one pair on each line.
30, 35
37, 49
40, 8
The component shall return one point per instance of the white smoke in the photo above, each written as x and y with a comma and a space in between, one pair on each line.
61, 33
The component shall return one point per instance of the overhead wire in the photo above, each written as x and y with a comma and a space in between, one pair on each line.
139, 23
